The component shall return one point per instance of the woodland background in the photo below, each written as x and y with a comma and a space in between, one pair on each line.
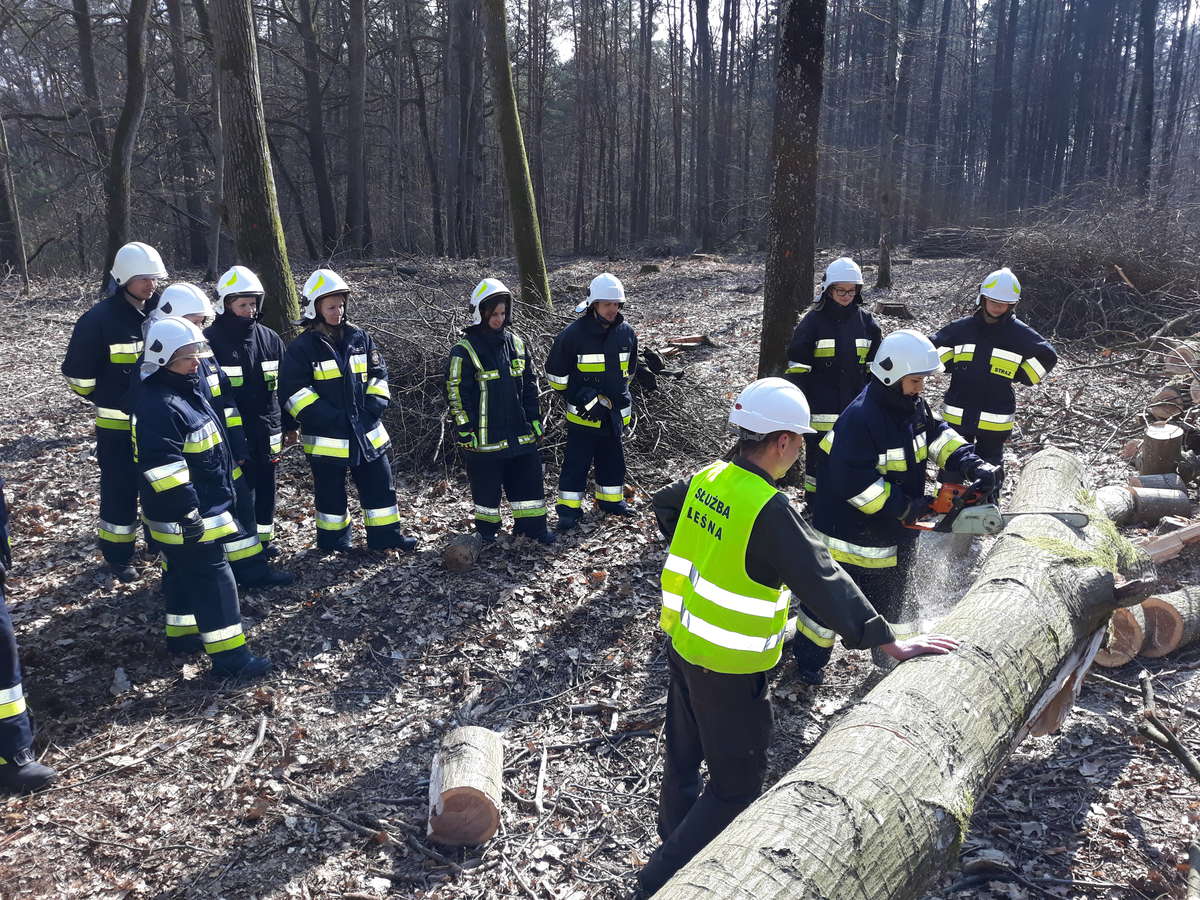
647, 123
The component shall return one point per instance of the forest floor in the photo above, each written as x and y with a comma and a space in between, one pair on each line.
377, 656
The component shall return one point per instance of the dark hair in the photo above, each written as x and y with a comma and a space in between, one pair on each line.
748, 447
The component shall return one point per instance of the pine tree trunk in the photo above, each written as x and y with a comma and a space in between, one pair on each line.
12, 239
527, 233
1171, 122
933, 125
117, 187
880, 806
250, 193
314, 132
792, 225
184, 135
1143, 133
886, 187
431, 161
356, 112
703, 118
87, 73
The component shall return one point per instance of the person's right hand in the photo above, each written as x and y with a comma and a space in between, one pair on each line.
193, 527
916, 510
921, 645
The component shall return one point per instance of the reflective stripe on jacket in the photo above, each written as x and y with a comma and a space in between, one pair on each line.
104, 349
589, 356
983, 361
492, 392
717, 616
828, 356
249, 353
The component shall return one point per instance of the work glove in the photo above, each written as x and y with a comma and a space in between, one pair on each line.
467, 439
589, 405
647, 379
985, 477
916, 510
193, 527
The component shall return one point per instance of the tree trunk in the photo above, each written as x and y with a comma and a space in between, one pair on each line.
87, 73
1171, 122
1143, 134
703, 118
880, 806
1161, 448
1006, 37
12, 239
1172, 621
356, 125
900, 114
188, 174
932, 126
251, 202
314, 132
527, 233
791, 242
885, 184
466, 783
431, 161
216, 202
120, 162
1117, 502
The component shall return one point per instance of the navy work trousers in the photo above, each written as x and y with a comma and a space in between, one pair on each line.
586, 446
520, 479
118, 496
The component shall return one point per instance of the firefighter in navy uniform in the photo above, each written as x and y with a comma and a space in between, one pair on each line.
243, 549
590, 363
737, 547
334, 383
188, 499
101, 356
20, 772
493, 398
249, 353
829, 352
985, 354
872, 484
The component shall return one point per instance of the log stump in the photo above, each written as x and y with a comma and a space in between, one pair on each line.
461, 552
1172, 621
1152, 504
1124, 639
880, 806
1161, 447
1169, 481
1116, 500
465, 786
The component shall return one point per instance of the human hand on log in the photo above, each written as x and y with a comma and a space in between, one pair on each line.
922, 644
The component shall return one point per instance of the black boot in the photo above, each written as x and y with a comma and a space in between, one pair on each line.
243, 666
126, 572
620, 509
401, 542
187, 643
24, 774
273, 578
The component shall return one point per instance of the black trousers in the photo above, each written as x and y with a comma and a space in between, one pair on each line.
726, 721
118, 495
259, 473
520, 479
202, 599
884, 589
586, 446
376, 494
244, 550
811, 452
15, 730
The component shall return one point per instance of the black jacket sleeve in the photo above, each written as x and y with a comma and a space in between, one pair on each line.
667, 505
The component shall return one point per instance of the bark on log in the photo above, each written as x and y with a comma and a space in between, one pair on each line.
461, 552
880, 806
1172, 621
1117, 502
465, 786
1124, 638
1151, 504
1170, 481
1161, 448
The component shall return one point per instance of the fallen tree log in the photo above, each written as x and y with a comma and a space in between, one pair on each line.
465, 784
1151, 504
1172, 621
880, 806
1116, 500
1170, 481
1124, 637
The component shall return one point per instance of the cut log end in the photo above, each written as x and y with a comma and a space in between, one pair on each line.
465, 784
465, 817
1125, 638
1164, 627
461, 552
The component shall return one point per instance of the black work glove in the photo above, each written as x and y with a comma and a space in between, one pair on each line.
193, 527
985, 477
916, 510
589, 405
647, 379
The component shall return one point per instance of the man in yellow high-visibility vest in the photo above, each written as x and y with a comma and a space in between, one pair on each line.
737, 548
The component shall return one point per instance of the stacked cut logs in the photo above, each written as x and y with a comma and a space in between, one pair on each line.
1161, 625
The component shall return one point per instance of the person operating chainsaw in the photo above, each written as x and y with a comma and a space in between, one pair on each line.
872, 476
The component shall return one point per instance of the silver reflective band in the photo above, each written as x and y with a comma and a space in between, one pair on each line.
232, 371
610, 488
678, 565
240, 544
571, 495
996, 418
525, 504
739, 603
673, 602
730, 640
12, 694
118, 529
856, 549
1006, 355
221, 634
103, 412
872, 493
487, 510
558, 379
173, 619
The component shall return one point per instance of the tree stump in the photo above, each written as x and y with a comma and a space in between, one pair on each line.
1161, 447
1116, 500
1172, 621
1124, 638
1152, 504
879, 807
461, 552
465, 786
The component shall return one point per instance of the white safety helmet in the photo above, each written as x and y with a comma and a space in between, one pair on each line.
320, 283
486, 290
182, 299
905, 352
605, 286
137, 260
237, 281
769, 405
171, 337
1001, 285
841, 269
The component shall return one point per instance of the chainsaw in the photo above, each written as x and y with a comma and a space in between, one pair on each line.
965, 509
